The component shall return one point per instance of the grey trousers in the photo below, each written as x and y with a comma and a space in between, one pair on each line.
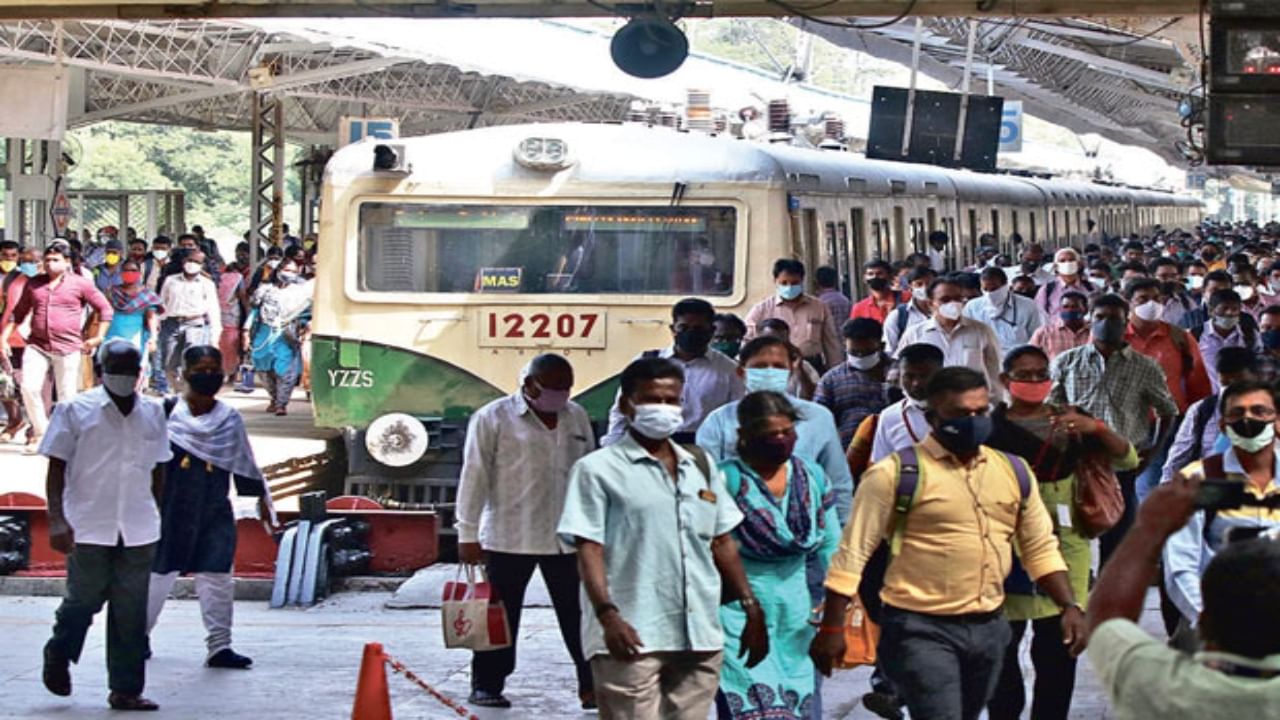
945, 668
657, 686
118, 577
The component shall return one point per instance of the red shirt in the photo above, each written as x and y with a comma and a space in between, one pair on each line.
1184, 372
868, 307
57, 313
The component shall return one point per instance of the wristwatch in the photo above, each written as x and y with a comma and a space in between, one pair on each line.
603, 608
1075, 605
749, 602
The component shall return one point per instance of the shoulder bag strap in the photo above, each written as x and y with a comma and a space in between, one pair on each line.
905, 495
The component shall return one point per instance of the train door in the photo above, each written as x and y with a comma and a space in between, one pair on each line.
842, 260
828, 255
1053, 233
995, 225
857, 248
1035, 236
808, 252
973, 228
900, 232
1017, 227
931, 216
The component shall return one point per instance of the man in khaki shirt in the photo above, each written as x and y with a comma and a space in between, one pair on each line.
943, 636
813, 330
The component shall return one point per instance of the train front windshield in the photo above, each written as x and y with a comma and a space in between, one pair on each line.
593, 249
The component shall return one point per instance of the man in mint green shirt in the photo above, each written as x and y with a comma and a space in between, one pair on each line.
1238, 674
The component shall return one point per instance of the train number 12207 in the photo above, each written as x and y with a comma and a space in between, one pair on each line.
521, 327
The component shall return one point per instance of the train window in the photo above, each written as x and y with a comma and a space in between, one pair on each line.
897, 187
899, 231
931, 188
830, 258
1034, 236
858, 254
856, 184
995, 225
841, 259
877, 251
519, 249
1053, 218
973, 228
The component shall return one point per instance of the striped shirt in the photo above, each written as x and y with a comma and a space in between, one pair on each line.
1121, 391
851, 395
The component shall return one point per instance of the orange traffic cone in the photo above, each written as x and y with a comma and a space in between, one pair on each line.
373, 702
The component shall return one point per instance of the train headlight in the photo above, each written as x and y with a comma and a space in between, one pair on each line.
543, 154
396, 439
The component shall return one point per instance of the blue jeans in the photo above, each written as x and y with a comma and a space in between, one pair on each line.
1150, 478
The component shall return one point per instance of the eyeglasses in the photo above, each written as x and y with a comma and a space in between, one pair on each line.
1260, 412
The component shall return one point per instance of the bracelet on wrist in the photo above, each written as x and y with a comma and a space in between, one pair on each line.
749, 602
604, 608
830, 629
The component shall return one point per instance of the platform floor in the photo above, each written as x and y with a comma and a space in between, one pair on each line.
307, 662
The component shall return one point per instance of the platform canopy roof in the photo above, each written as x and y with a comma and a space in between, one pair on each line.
1123, 81
197, 73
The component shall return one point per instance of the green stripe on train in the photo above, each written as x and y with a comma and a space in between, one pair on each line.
353, 382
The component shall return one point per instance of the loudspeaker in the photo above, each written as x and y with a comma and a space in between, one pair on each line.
934, 125
649, 48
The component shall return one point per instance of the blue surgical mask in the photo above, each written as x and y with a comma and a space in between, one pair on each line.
773, 379
790, 292
963, 435
28, 268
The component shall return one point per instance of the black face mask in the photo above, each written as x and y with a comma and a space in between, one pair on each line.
206, 383
878, 284
771, 451
963, 435
1171, 289
693, 341
1029, 266
1249, 427
1109, 331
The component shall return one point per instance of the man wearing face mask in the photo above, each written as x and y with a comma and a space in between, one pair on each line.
56, 301
911, 313
902, 424
943, 636
1177, 302
710, 378
804, 378
511, 491
1226, 327
1013, 317
726, 337
1070, 329
856, 388
764, 364
103, 516
1069, 272
651, 522
813, 330
1248, 419
938, 259
1111, 381
964, 342
881, 298
192, 313
107, 274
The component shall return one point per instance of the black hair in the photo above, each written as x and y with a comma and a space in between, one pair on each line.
1242, 584
9, 245
196, 353
757, 407
1100, 265
788, 265
731, 319
938, 236
1219, 276
954, 379
57, 249
1134, 267
1109, 300
776, 324
1142, 283
1134, 245
138, 241
646, 369
759, 344
242, 245
1232, 360
188, 236
882, 265
944, 280
826, 277
862, 329
1235, 390
1163, 261
921, 353
548, 362
1074, 295
995, 273
1222, 297
967, 280
162, 240
922, 272
1020, 352
693, 306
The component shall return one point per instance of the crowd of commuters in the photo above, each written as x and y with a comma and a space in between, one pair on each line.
929, 454
93, 332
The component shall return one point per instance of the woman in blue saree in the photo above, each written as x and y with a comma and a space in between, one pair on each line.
789, 516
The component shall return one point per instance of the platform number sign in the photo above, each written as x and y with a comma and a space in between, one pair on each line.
61, 212
355, 129
1011, 127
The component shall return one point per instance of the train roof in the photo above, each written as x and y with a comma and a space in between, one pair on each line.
480, 160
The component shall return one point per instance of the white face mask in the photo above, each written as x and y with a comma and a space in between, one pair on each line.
951, 310
863, 362
1099, 283
1195, 282
159, 254
1068, 267
119, 385
999, 296
920, 292
1149, 311
1244, 291
657, 421
191, 268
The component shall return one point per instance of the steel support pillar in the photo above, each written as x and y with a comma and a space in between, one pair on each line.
266, 202
31, 174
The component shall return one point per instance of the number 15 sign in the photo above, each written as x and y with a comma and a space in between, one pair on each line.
522, 327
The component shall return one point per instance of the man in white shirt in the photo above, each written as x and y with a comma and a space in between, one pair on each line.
103, 516
1013, 318
964, 342
903, 424
515, 470
911, 313
710, 377
192, 313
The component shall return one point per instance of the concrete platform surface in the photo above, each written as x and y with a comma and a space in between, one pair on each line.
306, 663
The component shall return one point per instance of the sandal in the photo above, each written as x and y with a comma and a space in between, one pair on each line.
120, 701
33, 446
12, 431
